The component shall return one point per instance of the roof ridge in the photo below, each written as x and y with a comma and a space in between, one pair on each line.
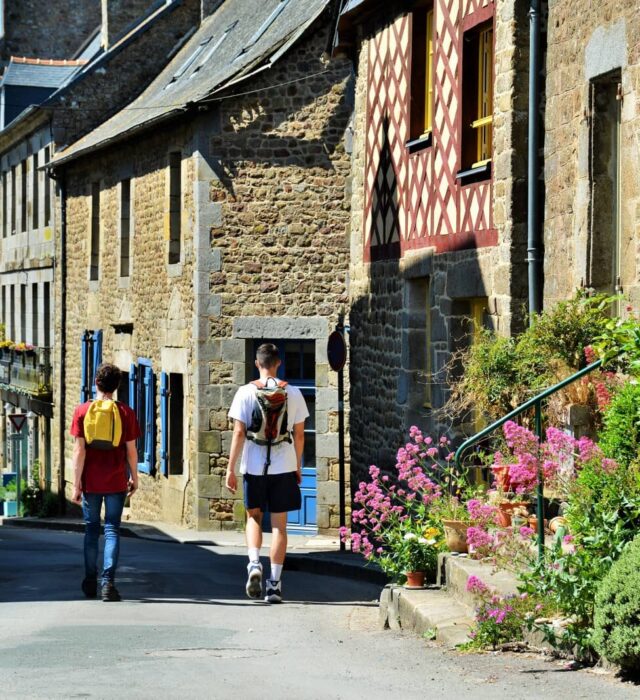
49, 61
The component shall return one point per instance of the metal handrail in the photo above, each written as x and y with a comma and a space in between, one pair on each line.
536, 403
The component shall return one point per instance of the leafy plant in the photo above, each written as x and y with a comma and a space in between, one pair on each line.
620, 436
617, 611
501, 373
8, 492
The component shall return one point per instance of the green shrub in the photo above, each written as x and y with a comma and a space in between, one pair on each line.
617, 611
620, 435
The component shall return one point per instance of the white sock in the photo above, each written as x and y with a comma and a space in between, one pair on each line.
276, 572
254, 554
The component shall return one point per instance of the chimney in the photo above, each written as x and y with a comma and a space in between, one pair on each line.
118, 16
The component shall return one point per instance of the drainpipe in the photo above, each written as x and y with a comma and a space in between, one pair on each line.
534, 242
62, 271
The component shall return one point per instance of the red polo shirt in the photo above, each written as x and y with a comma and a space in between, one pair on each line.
105, 471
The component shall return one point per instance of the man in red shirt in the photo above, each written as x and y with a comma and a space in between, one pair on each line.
104, 475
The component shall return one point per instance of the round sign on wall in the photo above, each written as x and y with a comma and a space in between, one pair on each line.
336, 351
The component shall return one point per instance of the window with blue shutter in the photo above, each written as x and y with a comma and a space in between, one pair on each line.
84, 363
164, 423
133, 383
145, 410
96, 360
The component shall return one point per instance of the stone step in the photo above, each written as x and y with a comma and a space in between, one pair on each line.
454, 572
430, 611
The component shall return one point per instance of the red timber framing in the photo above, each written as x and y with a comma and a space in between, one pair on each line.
414, 200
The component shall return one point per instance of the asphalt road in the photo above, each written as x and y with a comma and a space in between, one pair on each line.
186, 631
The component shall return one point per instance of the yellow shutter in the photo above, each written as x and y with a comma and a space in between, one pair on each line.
428, 88
484, 122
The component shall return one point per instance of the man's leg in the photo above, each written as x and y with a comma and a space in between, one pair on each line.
253, 532
277, 554
91, 505
113, 505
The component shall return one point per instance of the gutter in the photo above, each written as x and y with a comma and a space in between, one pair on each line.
535, 254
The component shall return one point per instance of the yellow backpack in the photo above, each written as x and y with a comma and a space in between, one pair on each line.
103, 425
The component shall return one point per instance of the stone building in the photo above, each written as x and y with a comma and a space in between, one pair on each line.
47, 102
206, 217
438, 238
591, 155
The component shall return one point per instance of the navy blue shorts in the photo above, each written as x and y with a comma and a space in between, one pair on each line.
276, 493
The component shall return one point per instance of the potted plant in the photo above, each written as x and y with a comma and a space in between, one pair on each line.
8, 494
455, 520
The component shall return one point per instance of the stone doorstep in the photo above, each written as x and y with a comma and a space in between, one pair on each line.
454, 572
425, 610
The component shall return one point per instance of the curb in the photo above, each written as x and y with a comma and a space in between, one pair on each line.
311, 562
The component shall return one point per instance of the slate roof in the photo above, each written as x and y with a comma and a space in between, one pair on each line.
241, 38
37, 72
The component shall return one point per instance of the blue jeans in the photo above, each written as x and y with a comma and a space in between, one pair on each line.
91, 506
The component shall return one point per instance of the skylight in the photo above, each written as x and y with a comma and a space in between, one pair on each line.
264, 26
213, 49
190, 60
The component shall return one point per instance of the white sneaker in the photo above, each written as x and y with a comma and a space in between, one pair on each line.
274, 592
254, 579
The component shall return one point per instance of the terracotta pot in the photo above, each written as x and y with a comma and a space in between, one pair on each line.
533, 522
415, 579
503, 515
556, 523
455, 532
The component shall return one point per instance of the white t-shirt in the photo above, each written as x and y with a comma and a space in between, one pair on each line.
283, 455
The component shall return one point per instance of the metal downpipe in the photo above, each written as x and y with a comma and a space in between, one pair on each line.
534, 242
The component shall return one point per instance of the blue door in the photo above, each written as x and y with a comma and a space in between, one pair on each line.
298, 368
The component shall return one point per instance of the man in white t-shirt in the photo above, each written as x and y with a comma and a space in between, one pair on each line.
271, 476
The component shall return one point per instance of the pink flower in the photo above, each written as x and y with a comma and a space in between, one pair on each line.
476, 585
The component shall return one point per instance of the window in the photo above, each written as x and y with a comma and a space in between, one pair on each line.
606, 254
35, 197
122, 394
477, 100
4, 205
47, 189
12, 312
34, 314
142, 401
416, 343
14, 190
172, 413
189, 61
47, 315
175, 191
23, 312
90, 360
264, 26
125, 226
94, 270
422, 73
23, 200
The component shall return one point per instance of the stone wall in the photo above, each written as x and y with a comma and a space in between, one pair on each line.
102, 92
583, 48
409, 315
278, 176
52, 31
156, 298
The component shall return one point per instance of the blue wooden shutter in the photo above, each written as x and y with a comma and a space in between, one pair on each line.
84, 356
164, 423
132, 389
149, 441
97, 359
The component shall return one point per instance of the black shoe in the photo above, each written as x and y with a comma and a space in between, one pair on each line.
90, 588
110, 593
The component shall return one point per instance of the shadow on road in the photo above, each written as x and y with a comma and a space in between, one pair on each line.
44, 565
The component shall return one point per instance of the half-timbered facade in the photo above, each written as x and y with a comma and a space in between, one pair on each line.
437, 205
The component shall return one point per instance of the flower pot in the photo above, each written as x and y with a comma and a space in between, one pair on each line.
415, 579
505, 511
455, 532
556, 523
533, 522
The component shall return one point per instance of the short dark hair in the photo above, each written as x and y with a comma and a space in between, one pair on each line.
267, 355
108, 377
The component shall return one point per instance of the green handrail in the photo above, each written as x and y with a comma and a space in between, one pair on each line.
536, 403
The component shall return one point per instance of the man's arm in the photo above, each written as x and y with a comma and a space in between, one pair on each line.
132, 461
237, 443
298, 443
79, 453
